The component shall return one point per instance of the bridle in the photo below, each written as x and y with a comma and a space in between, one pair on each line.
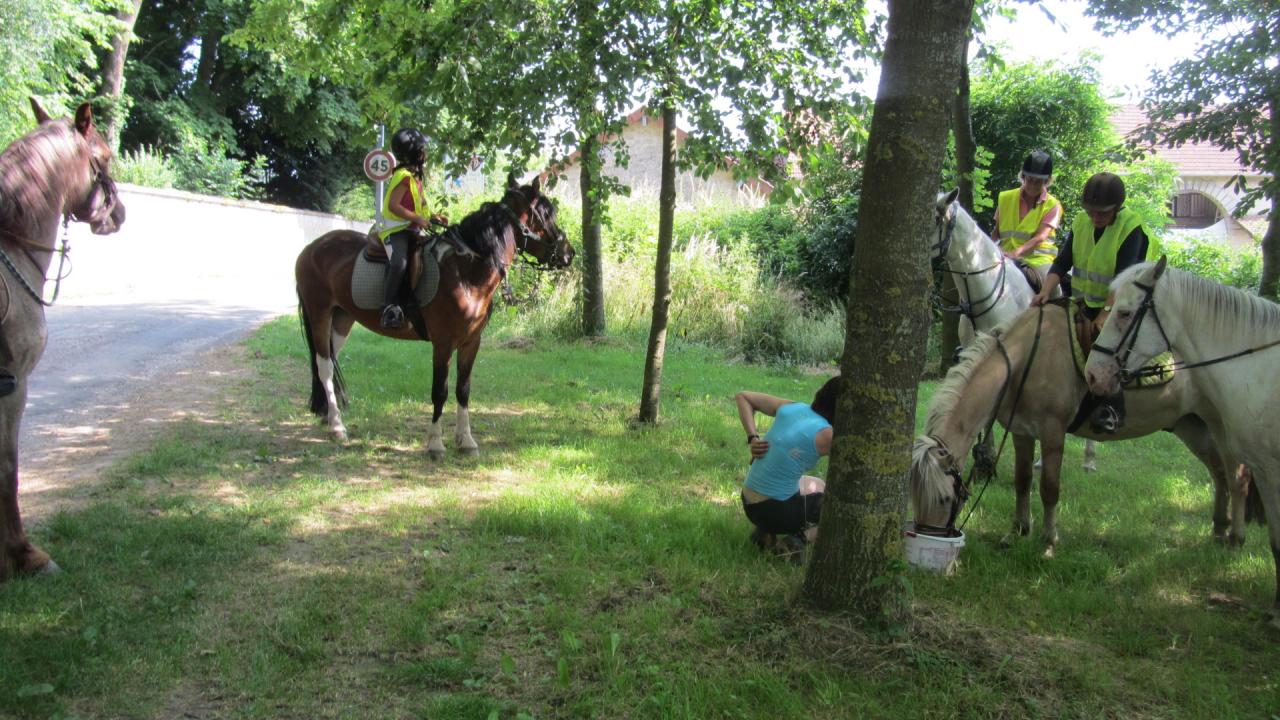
1124, 346
101, 179
963, 307
527, 235
103, 182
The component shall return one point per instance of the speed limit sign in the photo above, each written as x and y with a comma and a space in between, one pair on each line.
378, 165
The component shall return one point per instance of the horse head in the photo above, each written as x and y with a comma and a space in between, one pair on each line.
546, 242
944, 218
934, 484
1133, 333
91, 193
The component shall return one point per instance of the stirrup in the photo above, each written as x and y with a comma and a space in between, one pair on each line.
392, 317
1105, 419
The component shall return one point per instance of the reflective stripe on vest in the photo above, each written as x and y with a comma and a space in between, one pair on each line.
1095, 262
1014, 230
389, 223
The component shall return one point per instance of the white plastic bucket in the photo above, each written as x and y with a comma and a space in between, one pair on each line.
930, 552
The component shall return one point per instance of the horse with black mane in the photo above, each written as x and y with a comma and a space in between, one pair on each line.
56, 172
487, 242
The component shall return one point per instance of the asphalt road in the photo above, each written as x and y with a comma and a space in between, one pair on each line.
100, 357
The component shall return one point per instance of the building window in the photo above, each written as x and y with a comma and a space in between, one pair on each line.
1194, 210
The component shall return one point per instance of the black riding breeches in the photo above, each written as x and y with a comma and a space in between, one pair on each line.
397, 260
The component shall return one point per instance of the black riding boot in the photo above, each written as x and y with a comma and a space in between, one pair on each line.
397, 261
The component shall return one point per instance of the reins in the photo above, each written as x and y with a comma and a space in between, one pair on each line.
983, 461
1124, 348
63, 253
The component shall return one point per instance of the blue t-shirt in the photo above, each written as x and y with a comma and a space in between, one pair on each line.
791, 454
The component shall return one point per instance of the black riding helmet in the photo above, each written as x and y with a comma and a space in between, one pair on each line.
1039, 164
1104, 191
409, 146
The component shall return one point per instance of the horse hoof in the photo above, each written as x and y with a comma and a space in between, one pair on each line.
340, 436
1006, 542
50, 569
1235, 541
1090, 466
1048, 553
436, 455
469, 451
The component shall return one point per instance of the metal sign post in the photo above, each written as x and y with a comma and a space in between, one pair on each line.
381, 185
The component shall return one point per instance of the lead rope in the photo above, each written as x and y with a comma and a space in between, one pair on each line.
62, 252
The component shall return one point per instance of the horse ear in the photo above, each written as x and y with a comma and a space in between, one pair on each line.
537, 184
84, 118
1161, 264
37, 109
511, 180
951, 196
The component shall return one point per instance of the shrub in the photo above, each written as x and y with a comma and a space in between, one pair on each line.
145, 166
1211, 258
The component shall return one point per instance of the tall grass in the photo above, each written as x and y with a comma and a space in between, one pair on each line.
721, 296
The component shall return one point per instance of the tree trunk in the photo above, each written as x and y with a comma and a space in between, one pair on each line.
1269, 285
966, 161
593, 320
857, 563
112, 81
662, 269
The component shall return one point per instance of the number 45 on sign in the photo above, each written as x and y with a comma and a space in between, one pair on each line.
378, 165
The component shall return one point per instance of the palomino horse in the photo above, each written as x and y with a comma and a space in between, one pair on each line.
56, 172
1228, 341
1025, 374
523, 221
992, 290
990, 297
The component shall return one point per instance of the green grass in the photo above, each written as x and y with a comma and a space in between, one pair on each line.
245, 567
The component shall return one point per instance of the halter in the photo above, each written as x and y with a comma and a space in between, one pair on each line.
1124, 347
964, 307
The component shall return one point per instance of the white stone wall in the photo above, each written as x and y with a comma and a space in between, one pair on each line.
181, 247
643, 173
1226, 198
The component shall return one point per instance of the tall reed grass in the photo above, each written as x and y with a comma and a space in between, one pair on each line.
720, 295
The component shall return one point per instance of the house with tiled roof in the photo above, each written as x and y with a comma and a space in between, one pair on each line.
1206, 197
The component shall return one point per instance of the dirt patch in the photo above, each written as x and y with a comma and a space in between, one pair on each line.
63, 469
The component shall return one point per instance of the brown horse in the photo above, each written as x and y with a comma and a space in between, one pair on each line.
1037, 345
523, 221
58, 171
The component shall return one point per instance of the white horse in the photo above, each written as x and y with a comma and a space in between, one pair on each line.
1229, 341
992, 293
991, 287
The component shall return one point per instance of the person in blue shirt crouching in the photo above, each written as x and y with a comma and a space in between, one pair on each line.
780, 500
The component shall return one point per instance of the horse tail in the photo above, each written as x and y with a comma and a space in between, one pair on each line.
928, 484
319, 398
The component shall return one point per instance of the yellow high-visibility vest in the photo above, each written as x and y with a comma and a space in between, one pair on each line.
1094, 263
1014, 230
390, 223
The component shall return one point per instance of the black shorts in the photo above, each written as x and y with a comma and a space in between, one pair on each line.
785, 517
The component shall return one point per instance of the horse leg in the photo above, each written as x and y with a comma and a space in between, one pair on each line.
1265, 483
18, 556
1090, 456
324, 388
1024, 452
462, 434
1050, 486
1228, 495
439, 394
